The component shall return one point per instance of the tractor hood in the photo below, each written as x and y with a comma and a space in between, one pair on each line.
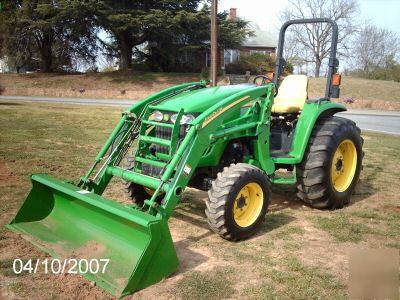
198, 101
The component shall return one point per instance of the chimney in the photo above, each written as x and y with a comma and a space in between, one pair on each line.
232, 14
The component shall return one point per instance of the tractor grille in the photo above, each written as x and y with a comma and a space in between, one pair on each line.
165, 133
162, 133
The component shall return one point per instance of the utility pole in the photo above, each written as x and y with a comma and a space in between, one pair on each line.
214, 42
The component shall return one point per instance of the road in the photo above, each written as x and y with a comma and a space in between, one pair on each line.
80, 101
368, 120
375, 120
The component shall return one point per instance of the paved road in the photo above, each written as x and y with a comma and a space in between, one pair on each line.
369, 120
80, 101
375, 120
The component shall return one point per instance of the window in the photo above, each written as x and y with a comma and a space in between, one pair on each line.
231, 56
265, 52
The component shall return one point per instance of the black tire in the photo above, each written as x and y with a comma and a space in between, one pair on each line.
137, 193
315, 184
222, 198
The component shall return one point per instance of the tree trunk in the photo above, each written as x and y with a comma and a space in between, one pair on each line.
46, 55
46, 60
317, 66
125, 56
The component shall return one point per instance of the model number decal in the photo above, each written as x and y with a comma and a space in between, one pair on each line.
186, 170
220, 111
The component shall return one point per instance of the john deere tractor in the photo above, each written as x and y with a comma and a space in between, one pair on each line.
227, 140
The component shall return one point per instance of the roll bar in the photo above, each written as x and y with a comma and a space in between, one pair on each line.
333, 62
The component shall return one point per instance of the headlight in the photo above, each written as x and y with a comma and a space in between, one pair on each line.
156, 116
186, 119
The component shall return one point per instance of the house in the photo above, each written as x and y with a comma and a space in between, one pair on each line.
262, 42
3, 66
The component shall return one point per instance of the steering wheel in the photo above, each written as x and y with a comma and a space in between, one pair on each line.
266, 79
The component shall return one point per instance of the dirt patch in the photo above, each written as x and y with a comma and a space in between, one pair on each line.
78, 287
392, 208
320, 250
64, 286
6, 175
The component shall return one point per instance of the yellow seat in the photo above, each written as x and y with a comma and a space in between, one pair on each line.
292, 94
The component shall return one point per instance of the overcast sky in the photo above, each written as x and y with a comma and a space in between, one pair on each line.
383, 13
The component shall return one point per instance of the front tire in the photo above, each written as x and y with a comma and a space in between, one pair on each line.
331, 164
136, 192
238, 201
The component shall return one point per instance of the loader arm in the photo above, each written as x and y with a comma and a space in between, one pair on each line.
205, 130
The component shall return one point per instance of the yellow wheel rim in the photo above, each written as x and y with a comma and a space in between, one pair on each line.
344, 165
150, 192
248, 204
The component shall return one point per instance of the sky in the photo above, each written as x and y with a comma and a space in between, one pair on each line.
383, 13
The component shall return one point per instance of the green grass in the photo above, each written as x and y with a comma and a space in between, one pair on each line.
279, 262
341, 227
353, 226
6, 268
216, 284
294, 280
359, 88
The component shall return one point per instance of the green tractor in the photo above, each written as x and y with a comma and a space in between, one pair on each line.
227, 140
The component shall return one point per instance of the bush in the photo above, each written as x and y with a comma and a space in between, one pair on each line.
256, 64
389, 71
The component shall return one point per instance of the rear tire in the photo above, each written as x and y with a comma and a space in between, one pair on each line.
238, 201
331, 164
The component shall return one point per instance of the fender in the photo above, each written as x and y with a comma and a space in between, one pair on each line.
310, 114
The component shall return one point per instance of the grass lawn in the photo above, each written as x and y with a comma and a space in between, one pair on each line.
89, 81
132, 81
359, 88
300, 253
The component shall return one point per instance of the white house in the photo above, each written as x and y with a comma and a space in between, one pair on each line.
3, 66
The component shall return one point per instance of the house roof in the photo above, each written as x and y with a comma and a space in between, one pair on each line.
261, 38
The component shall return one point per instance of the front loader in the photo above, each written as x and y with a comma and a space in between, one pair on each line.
228, 140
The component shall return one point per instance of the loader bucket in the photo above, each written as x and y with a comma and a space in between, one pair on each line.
68, 222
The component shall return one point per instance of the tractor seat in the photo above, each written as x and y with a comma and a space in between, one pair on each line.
292, 94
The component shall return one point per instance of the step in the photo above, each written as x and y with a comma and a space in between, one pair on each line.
154, 140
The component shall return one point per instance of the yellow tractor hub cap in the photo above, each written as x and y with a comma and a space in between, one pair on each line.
151, 192
248, 204
344, 165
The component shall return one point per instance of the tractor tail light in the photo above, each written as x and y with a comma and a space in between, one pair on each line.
336, 79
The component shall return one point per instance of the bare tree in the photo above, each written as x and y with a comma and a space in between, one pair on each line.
294, 54
315, 38
373, 48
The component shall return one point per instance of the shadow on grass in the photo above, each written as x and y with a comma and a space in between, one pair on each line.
194, 204
272, 222
202, 223
283, 197
9, 104
188, 258
365, 187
